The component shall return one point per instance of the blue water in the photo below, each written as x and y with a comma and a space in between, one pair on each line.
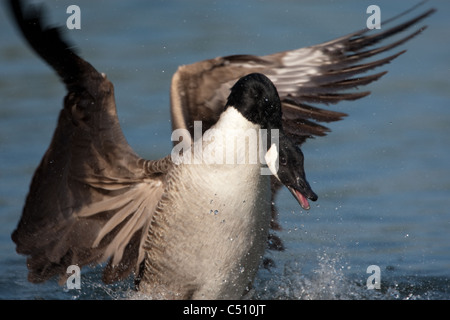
382, 174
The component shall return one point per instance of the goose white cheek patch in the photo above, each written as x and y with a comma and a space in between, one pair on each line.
271, 158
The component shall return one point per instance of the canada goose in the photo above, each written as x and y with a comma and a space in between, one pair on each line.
93, 199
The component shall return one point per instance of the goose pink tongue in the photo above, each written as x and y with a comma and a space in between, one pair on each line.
302, 199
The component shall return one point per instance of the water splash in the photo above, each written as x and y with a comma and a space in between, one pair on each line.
333, 279
326, 282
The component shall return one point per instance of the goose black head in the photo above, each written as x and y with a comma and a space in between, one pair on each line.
256, 98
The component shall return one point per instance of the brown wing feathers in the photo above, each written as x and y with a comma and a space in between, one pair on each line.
320, 74
91, 197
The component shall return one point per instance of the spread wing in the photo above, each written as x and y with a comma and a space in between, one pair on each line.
326, 73
92, 197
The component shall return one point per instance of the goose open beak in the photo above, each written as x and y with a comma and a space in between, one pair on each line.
286, 163
303, 200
